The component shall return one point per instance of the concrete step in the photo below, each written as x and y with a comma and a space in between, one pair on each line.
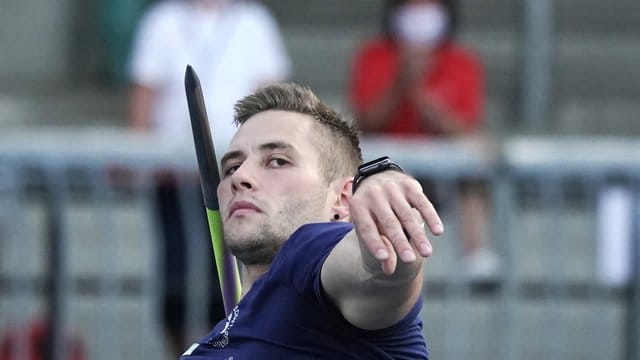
596, 66
571, 16
496, 15
596, 115
329, 13
326, 13
322, 60
597, 17
63, 105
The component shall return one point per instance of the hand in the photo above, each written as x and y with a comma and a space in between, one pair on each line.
436, 114
413, 65
389, 211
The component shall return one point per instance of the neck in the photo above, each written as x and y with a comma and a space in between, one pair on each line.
250, 274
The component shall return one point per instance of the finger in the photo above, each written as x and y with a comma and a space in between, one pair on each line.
413, 225
425, 248
419, 201
394, 217
389, 265
419, 239
390, 225
368, 233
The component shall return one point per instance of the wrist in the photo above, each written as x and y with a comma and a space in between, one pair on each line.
373, 167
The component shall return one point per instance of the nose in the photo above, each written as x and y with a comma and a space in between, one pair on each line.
241, 179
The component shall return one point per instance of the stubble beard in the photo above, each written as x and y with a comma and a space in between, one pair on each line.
261, 245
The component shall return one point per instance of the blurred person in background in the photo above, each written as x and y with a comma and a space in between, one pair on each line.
32, 342
236, 47
416, 80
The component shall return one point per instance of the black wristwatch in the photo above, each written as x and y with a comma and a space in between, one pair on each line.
373, 167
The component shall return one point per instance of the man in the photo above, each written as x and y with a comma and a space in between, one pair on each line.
328, 273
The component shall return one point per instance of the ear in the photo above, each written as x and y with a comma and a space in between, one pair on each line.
340, 205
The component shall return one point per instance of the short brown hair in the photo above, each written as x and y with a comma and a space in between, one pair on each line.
339, 132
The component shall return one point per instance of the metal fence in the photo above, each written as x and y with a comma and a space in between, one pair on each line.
79, 247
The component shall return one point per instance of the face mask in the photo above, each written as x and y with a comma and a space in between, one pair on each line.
420, 24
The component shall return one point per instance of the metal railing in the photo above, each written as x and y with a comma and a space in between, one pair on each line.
79, 245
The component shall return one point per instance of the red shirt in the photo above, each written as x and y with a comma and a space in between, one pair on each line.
455, 77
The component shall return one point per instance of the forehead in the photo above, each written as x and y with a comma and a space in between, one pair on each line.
274, 126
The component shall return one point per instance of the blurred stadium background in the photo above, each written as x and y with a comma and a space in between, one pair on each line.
562, 115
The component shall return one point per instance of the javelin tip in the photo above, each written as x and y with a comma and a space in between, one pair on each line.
190, 77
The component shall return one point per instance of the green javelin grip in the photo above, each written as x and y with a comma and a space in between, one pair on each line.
210, 178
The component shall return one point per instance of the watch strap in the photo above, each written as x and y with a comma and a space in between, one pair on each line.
373, 167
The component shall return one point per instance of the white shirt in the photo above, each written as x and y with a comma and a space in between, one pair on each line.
233, 50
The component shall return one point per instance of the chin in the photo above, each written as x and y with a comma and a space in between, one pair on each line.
238, 233
237, 224
237, 237
252, 248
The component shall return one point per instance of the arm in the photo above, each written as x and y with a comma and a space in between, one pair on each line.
149, 54
374, 275
140, 106
436, 114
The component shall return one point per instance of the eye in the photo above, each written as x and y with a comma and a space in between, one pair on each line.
277, 162
230, 170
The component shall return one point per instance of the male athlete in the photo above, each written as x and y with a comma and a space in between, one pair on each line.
328, 272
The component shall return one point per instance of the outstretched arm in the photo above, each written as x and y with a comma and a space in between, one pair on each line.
374, 275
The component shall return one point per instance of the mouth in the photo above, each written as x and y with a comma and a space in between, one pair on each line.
242, 208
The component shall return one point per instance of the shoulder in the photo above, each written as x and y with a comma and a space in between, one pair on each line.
317, 236
376, 46
163, 10
254, 21
378, 52
161, 17
251, 11
459, 53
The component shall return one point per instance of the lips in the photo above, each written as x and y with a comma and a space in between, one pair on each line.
242, 207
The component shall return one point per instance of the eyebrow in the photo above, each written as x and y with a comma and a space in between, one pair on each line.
274, 145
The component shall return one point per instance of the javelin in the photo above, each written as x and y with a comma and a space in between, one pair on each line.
226, 264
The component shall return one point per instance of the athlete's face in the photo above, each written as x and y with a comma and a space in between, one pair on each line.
271, 184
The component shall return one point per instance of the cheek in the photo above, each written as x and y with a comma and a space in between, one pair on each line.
224, 194
300, 186
303, 191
